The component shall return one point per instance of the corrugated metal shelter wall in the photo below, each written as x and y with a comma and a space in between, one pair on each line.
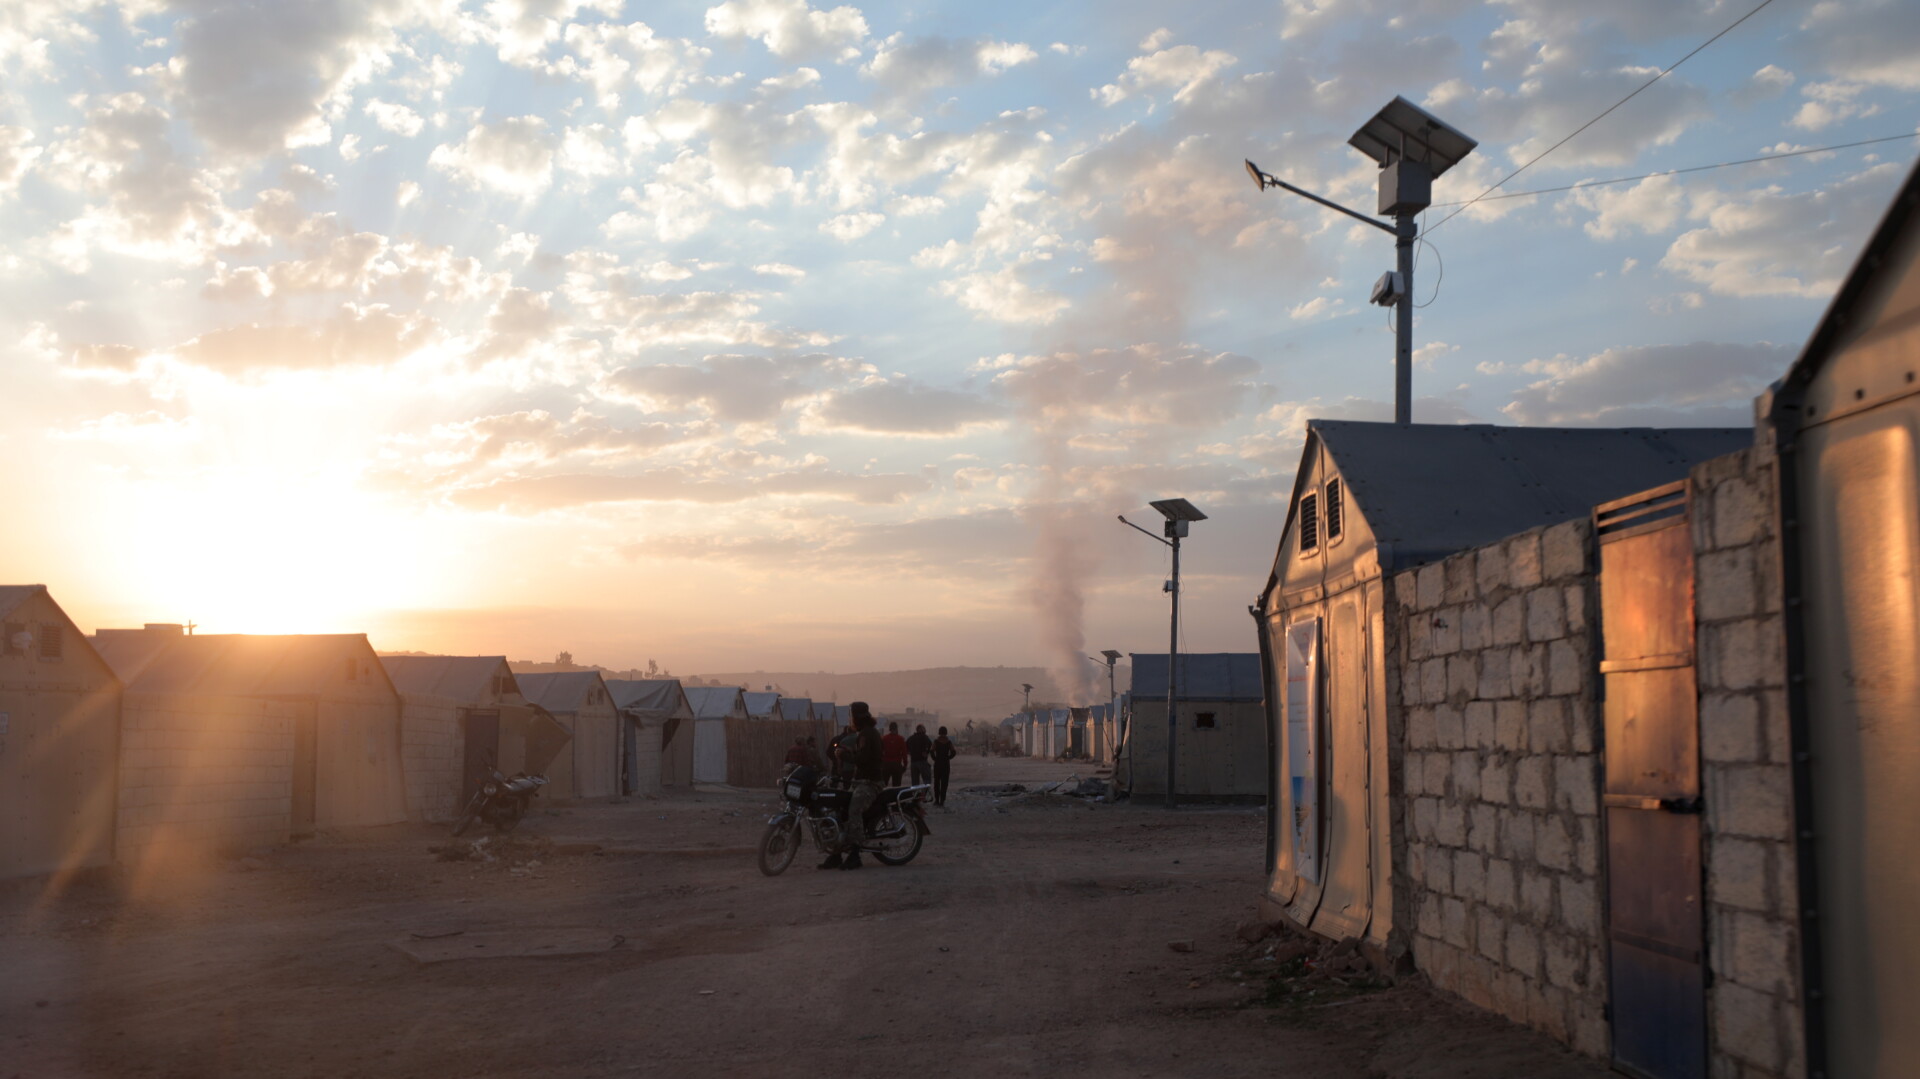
203, 775
757, 748
58, 750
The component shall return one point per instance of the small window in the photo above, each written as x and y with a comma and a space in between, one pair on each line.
49, 640
1203, 721
1333, 510
1310, 523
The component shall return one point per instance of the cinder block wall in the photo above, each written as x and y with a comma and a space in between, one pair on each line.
1500, 780
203, 775
432, 750
1752, 908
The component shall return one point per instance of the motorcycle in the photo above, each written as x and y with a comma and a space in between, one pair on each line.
896, 825
500, 801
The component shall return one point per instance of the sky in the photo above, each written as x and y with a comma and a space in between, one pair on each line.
766, 335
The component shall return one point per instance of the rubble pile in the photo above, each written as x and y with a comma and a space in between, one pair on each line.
1294, 969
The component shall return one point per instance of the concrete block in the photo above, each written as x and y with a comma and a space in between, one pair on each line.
1433, 681
1430, 587
1583, 724
1576, 785
1545, 727
1449, 727
1745, 1025
1490, 570
1428, 921
1567, 668
1450, 825
1426, 813
1455, 927
1546, 1011
1461, 586
1773, 725
1503, 888
1523, 951
1419, 637
1564, 960
1756, 951
1439, 867
1479, 716
1490, 934
1523, 560
1766, 560
1531, 782
1463, 678
1749, 800
1444, 631
1574, 598
1496, 781
1553, 843
1437, 767
1483, 828
1529, 667
1406, 589
1476, 626
1580, 906
1466, 775
1546, 614
1741, 513
1563, 550
1517, 835
1421, 732
1510, 726
1495, 681
1509, 620
1725, 585
1731, 655
1587, 851
1730, 728
1470, 876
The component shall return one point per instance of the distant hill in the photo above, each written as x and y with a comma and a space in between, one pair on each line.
957, 693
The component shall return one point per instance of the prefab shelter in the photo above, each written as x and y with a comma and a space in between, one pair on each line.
712, 707
1370, 500
761, 705
656, 733
253, 738
1220, 744
1846, 428
589, 766
793, 709
460, 717
59, 740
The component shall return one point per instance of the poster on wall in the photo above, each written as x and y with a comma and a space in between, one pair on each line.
1303, 745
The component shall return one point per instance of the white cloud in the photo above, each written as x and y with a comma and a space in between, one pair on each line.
514, 156
779, 269
913, 66
17, 153
394, 118
790, 29
1701, 384
1829, 103
904, 407
849, 227
1184, 66
1002, 295
1771, 242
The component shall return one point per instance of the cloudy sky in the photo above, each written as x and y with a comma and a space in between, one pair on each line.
769, 335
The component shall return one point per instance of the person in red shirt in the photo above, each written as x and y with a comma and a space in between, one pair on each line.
893, 752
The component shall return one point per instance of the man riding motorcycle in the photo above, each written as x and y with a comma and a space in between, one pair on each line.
868, 773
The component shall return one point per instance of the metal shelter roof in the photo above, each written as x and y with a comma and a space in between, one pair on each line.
233, 664
760, 705
794, 708
559, 691
1204, 676
13, 595
1429, 490
716, 702
463, 678
657, 696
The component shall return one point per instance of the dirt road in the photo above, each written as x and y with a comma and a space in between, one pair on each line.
639, 939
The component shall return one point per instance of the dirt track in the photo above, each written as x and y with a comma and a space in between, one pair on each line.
1025, 940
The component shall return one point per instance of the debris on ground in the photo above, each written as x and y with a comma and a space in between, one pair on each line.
522, 854
996, 790
1297, 970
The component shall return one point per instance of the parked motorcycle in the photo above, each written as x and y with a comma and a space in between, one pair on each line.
500, 801
895, 826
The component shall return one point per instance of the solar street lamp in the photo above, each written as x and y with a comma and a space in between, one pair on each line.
1413, 148
1113, 694
1179, 514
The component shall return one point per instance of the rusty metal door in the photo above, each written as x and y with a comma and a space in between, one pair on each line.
1652, 797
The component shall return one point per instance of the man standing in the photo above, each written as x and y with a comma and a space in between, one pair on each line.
894, 749
918, 747
943, 753
868, 771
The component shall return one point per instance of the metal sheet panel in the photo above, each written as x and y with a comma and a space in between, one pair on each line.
1343, 901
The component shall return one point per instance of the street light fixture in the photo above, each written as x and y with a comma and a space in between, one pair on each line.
1180, 514
1113, 696
1413, 148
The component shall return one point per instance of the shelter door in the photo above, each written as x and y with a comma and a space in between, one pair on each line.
482, 751
306, 775
1652, 791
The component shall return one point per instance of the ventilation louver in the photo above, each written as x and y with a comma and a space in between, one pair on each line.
1333, 510
1309, 523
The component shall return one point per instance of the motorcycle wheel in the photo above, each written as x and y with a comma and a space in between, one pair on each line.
778, 846
510, 820
467, 818
902, 848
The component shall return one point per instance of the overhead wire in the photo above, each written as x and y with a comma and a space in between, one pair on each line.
1681, 172
1605, 113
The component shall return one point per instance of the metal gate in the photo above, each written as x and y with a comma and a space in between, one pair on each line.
1652, 795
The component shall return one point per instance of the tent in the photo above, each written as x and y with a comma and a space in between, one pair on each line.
657, 736
712, 707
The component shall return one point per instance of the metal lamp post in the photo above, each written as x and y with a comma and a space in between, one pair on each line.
1179, 513
1113, 695
1413, 147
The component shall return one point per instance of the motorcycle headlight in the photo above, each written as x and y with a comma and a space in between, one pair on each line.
492, 789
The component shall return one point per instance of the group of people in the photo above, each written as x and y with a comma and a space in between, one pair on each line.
868, 760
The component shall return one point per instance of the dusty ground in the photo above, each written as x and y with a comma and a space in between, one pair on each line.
1024, 941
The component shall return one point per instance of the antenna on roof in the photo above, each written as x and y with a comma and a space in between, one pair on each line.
190, 625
